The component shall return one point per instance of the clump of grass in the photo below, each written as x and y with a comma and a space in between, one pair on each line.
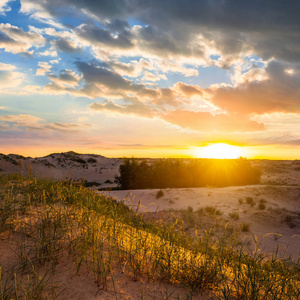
159, 194
213, 211
200, 211
241, 201
190, 209
234, 215
245, 227
250, 201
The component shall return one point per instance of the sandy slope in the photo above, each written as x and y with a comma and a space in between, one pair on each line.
280, 189
280, 202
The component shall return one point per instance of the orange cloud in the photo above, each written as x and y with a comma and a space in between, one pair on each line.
204, 121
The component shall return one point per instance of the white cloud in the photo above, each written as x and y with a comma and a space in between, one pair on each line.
9, 78
44, 68
16, 40
4, 6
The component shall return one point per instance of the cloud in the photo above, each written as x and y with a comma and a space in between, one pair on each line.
22, 120
65, 78
194, 30
45, 68
204, 121
63, 127
135, 108
148, 76
16, 40
66, 46
33, 123
278, 92
188, 90
119, 38
104, 77
4, 7
9, 77
48, 52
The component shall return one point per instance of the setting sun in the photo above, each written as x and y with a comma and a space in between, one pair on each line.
218, 150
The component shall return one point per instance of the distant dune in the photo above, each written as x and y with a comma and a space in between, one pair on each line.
90, 167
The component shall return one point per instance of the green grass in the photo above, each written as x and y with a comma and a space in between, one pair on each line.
55, 220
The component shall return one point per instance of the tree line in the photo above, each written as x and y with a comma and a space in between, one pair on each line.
182, 173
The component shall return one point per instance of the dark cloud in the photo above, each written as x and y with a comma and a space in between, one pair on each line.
5, 39
120, 37
93, 74
267, 28
65, 46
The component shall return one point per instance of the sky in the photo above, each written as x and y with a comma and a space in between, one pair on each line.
150, 78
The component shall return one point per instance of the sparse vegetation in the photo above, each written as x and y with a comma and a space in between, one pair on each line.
250, 201
245, 227
213, 211
56, 222
234, 215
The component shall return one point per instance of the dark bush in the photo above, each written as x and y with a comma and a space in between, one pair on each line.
91, 160
178, 173
78, 160
159, 194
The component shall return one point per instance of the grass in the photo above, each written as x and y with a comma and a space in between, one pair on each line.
213, 211
245, 227
234, 215
55, 221
250, 201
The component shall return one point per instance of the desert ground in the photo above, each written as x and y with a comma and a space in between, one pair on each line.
278, 224
270, 211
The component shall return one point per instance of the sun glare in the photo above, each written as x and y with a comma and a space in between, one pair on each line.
218, 150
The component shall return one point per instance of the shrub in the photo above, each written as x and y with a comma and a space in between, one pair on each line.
91, 160
250, 201
159, 194
261, 206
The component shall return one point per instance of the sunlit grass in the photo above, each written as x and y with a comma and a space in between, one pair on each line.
58, 219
